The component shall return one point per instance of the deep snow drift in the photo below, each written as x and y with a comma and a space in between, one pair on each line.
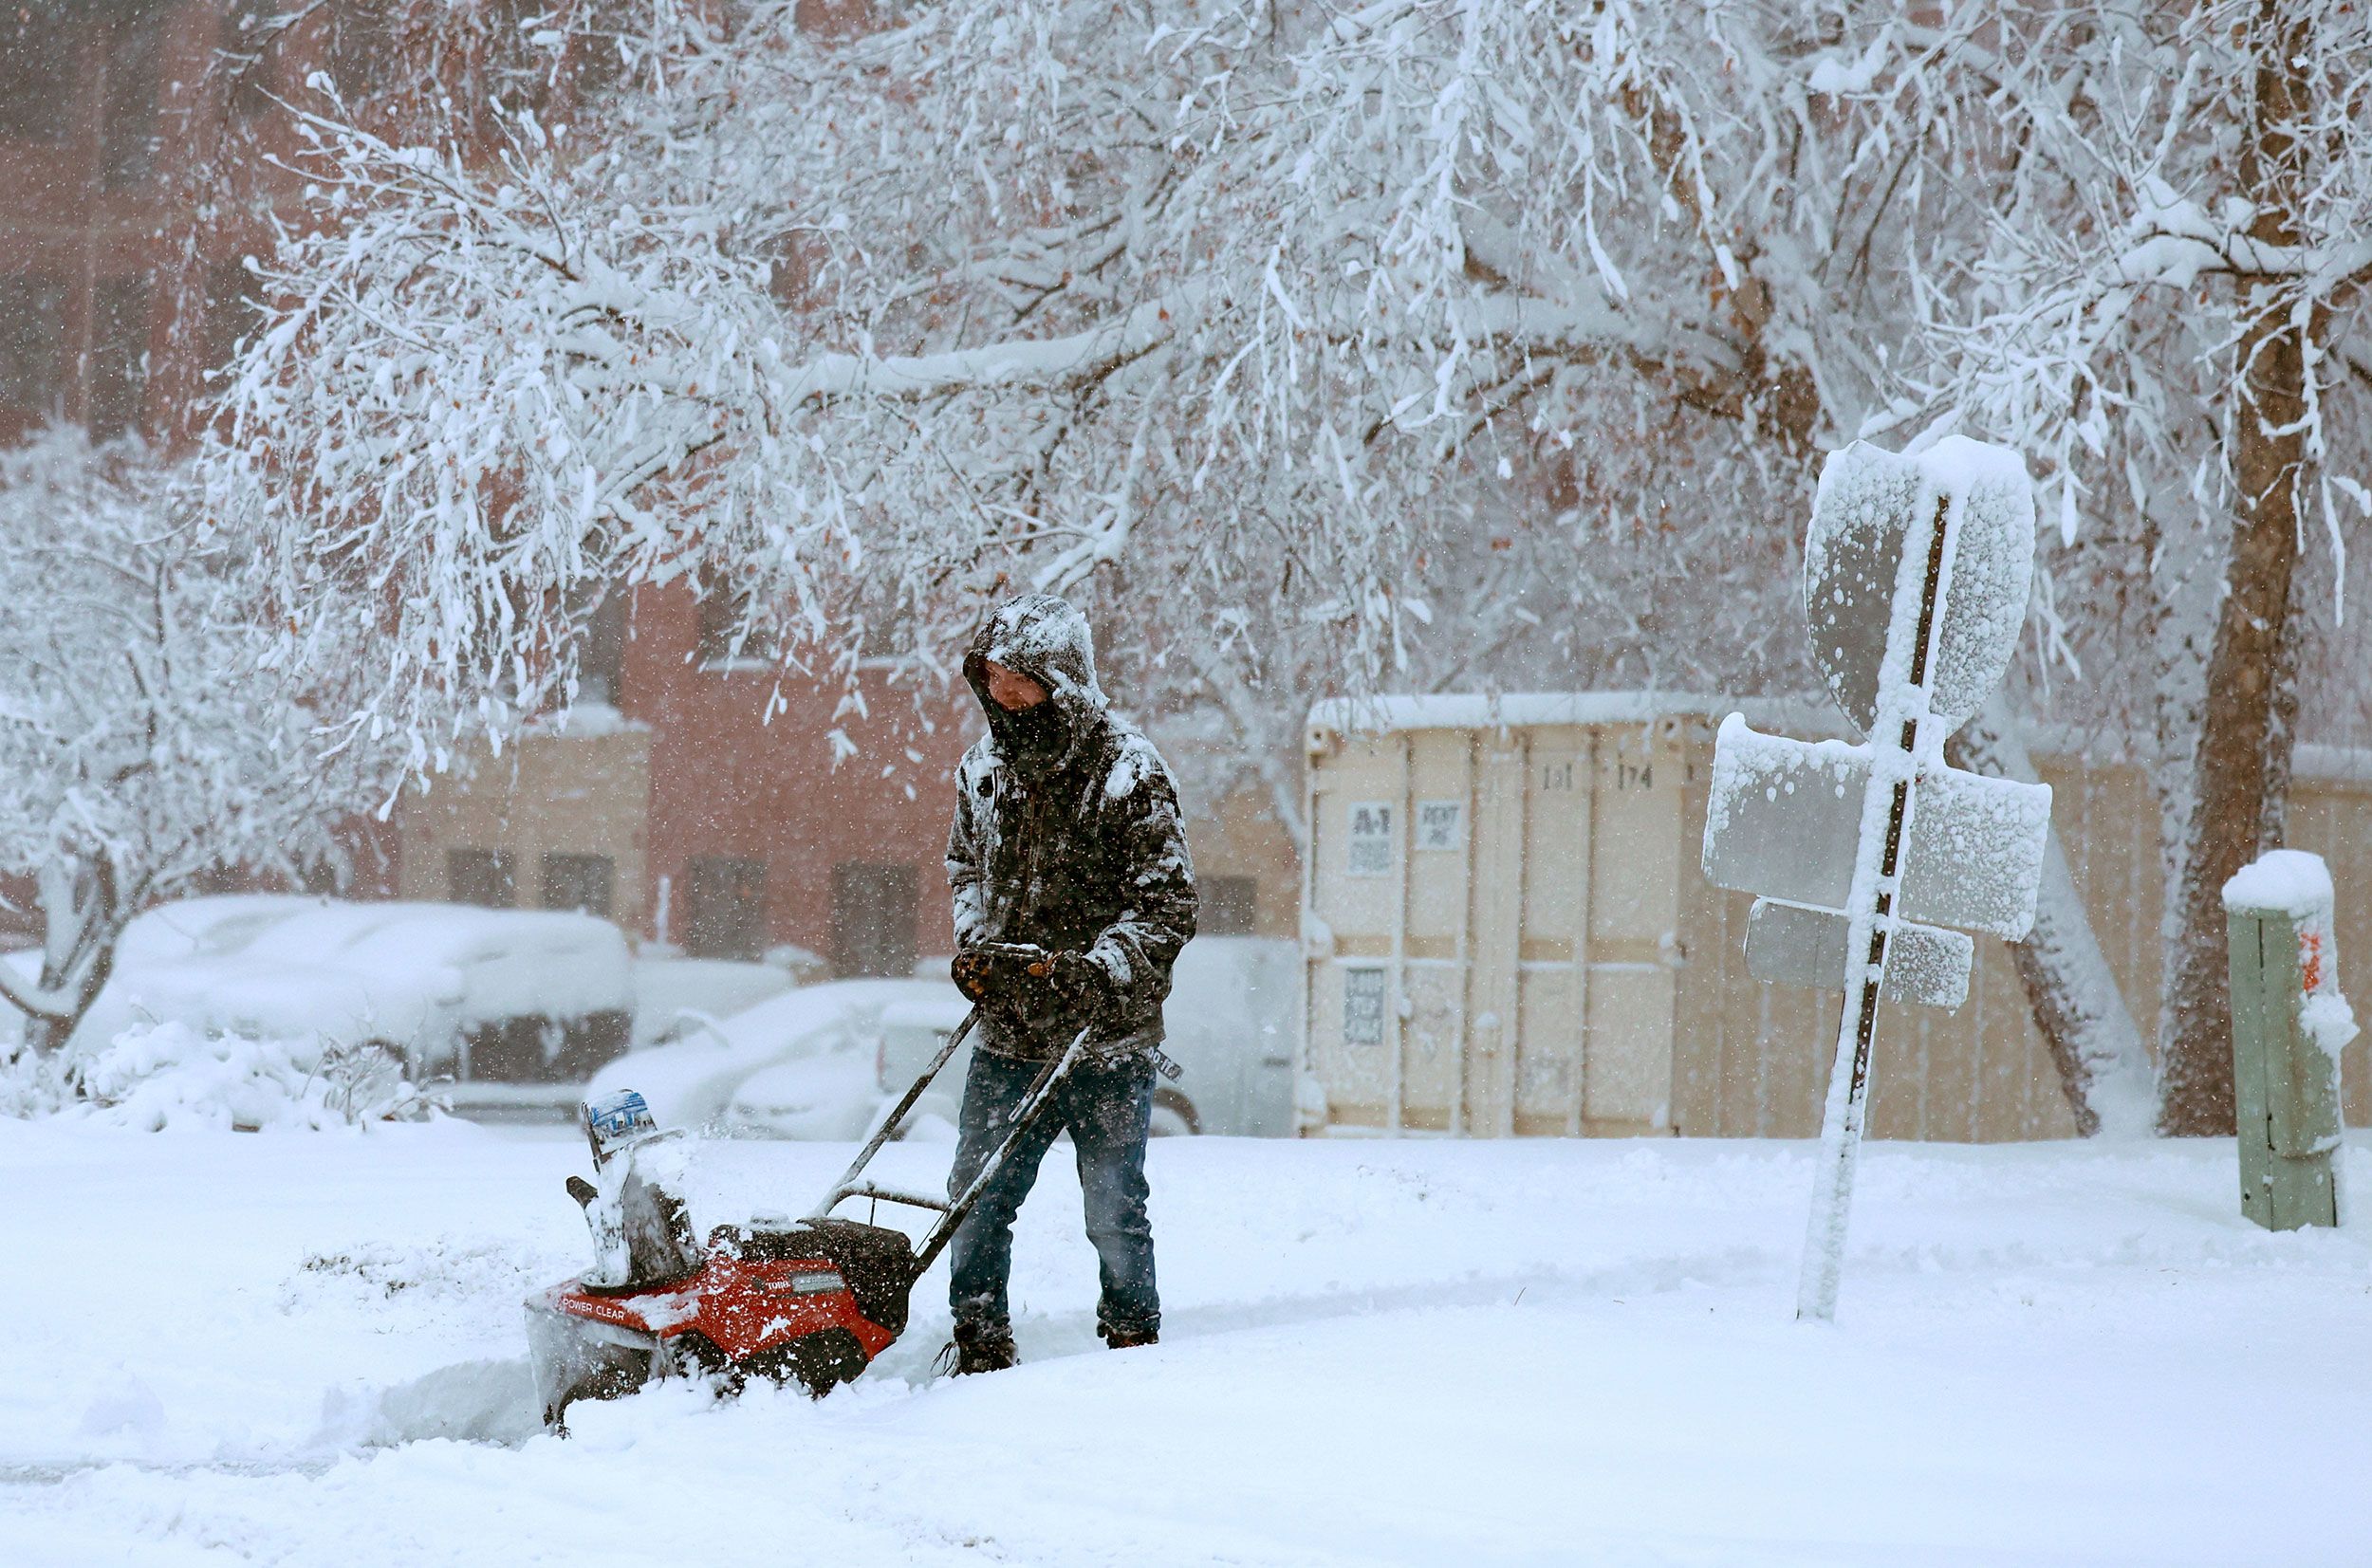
305, 1349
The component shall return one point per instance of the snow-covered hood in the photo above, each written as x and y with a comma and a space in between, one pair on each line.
1045, 638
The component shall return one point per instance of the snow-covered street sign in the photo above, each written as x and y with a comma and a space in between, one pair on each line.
1916, 575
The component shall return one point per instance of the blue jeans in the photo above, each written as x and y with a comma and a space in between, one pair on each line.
1108, 1108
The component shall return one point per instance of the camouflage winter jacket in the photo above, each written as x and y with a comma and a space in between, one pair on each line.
1068, 836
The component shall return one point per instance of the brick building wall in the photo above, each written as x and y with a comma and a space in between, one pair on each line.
719, 831
842, 841
97, 100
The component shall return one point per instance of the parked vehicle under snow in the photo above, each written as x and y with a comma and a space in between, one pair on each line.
1229, 1024
693, 1080
487, 996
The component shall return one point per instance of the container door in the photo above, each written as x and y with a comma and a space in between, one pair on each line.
1358, 797
1634, 928
1439, 853
1497, 895
1550, 964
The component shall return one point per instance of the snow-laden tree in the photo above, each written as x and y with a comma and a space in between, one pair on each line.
153, 726
1261, 329
2166, 313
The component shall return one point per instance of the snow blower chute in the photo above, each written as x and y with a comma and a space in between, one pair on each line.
815, 1298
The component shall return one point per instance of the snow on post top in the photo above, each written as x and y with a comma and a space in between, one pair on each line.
2289, 881
1871, 502
2297, 884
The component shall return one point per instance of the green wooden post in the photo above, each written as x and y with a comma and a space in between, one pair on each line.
2285, 1086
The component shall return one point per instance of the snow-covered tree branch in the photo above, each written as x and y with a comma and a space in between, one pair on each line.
1241, 299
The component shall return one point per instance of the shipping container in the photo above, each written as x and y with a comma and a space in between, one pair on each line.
1507, 932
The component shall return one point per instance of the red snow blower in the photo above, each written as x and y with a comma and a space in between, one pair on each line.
816, 1298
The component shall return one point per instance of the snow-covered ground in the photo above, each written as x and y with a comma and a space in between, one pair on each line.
295, 1348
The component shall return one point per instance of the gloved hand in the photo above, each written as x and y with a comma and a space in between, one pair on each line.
1027, 977
994, 972
1076, 978
970, 973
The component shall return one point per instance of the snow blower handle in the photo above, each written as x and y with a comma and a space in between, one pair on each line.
1033, 1105
952, 1211
852, 1183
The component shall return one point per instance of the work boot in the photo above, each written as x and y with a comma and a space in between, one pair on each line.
1128, 1339
979, 1347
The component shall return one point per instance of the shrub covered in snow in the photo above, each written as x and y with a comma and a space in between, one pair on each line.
157, 1075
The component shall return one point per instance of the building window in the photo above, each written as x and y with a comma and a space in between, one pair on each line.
593, 67
464, 56
32, 343
723, 618
359, 50
249, 57
725, 907
586, 883
1230, 906
233, 314
486, 878
873, 920
601, 653
118, 355
127, 129
37, 74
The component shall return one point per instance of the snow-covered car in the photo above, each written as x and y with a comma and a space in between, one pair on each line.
828, 1098
675, 995
691, 1082
501, 996
205, 927
1229, 1022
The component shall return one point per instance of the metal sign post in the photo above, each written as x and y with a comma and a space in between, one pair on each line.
1916, 575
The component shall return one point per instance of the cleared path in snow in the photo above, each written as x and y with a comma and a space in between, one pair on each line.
307, 1349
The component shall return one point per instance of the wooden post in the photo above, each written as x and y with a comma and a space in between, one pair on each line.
2286, 1087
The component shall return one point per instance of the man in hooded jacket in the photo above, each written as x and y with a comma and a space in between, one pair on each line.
1067, 839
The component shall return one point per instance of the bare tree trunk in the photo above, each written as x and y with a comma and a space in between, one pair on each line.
2103, 1068
2243, 752
2273, 824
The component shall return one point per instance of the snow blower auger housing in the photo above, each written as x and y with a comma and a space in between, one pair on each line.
816, 1298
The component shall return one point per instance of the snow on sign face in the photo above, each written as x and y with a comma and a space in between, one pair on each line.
1870, 500
1783, 818
1794, 945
